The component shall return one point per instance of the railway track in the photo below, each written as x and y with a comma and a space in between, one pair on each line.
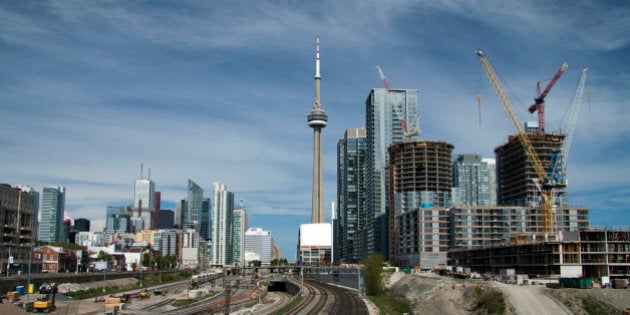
322, 298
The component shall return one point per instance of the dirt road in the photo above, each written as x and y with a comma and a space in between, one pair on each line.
530, 299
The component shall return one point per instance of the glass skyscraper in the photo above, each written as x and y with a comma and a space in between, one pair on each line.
239, 227
350, 194
193, 209
143, 201
383, 128
52, 211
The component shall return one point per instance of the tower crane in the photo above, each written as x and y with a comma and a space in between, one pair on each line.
547, 186
539, 104
574, 111
397, 109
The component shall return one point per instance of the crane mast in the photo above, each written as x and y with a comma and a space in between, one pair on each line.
573, 116
547, 193
539, 104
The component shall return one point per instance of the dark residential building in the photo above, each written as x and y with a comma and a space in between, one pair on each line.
167, 219
82, 225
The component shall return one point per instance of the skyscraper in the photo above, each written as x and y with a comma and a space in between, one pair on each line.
239, 226
205, 231
16, 226
383, 128
317, 119
350, 193
222, 217
193, 207
143, 200
53, 207
472, 181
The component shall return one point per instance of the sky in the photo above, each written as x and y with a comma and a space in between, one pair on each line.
219, 91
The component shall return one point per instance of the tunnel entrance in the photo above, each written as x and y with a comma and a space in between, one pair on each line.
283, 286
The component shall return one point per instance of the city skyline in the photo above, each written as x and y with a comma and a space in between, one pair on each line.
91, 90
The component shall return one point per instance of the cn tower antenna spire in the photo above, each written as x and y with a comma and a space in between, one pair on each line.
317, 119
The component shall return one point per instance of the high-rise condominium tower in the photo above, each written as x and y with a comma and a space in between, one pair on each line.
53, 207
317, 119
223, 205
383, 128
472, 181
239, 227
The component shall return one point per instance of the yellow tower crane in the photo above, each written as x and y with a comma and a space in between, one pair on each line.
548, 184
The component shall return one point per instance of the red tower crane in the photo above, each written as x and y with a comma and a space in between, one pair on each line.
539, 104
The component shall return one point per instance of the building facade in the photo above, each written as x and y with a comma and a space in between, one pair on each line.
17, 229
383, 128
144, 202
222, 218
472, 184
258, 244
52, 212
351, 205
192, 207
167, 219
239, 227
478, 227
420, 180
82, 225
516, 176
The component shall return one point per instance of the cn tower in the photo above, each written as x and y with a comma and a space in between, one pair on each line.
317, 119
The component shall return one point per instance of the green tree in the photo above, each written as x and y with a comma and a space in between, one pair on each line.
146, 260
102, 256
373, 273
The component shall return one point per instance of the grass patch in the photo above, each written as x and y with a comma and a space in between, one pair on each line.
180, 303
595, 307
489, 301
291, 305
388, 305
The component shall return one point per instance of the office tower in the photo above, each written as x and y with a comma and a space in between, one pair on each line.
16, 226
205, 231
167, 219
168, 242
157, 204
471, 181
383, 128
222, 205
190, 248
239, 226
258, 245
351, 156
192, 207
317, 119
82, 225
52, 212
421, 182
517, 179
144, 200
35, 194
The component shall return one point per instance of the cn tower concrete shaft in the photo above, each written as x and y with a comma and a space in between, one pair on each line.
317, 119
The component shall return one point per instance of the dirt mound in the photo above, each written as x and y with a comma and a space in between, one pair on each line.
592, 301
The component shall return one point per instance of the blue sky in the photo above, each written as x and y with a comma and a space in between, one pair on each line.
218, 91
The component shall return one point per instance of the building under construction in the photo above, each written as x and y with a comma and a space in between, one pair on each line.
475, 227
420, 191
591, 253
516, 175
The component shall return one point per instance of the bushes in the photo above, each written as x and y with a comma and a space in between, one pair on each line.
489, 301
